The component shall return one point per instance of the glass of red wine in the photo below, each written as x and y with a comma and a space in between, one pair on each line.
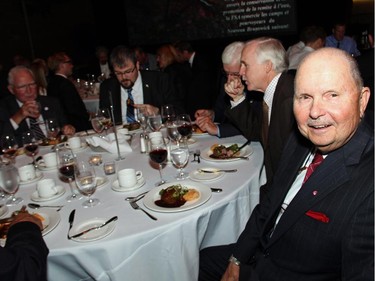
184, 126
66, 164
9, 146
158, 154
30, 145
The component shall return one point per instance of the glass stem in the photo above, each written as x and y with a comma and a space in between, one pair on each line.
161, 176
74, 195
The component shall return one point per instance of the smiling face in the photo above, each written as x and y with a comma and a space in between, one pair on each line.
328, 105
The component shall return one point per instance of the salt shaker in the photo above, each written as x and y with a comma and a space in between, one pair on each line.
147, 143
143, 143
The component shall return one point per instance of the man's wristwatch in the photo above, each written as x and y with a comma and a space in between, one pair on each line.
232, 259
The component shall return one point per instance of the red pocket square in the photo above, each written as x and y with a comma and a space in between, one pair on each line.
318, 216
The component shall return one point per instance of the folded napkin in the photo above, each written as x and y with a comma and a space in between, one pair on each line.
109, 143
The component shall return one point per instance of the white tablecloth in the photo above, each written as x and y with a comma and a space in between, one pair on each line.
143, 249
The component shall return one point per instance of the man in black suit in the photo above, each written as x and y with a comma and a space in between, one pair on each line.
63, 89
135, 88
263, 69
24, 256
317, 227
17, 109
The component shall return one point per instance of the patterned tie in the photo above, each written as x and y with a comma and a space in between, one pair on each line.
37, 131
265, 122
318, 159
130, 117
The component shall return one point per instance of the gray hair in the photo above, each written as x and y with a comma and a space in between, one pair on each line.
232, 53
271, 49
15, 70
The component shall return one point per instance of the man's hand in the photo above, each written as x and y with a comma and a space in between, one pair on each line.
68, 130
25, 216
232, 273
28, 109
148, 109
207, 125
204, 113
235, 89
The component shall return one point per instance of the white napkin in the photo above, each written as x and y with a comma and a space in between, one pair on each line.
109, 143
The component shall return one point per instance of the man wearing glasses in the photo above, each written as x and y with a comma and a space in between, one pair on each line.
19, 110
133, 88
61, 87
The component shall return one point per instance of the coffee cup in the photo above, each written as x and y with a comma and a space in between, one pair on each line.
50, 159
26, 172
74, 142
46, 188
128, 177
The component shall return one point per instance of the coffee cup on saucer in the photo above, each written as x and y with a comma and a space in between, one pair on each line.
128, 178
46, 188
50, 159
27, 172
74, 142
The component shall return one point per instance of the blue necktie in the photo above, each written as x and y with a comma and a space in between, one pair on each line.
130, 117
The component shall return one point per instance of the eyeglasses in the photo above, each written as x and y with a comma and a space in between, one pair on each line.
127, 72
227, 74
22, 88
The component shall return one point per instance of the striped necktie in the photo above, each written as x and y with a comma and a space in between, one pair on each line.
37, 131
130, 117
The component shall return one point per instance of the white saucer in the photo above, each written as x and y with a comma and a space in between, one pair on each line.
38, 174
51, 219
82, 148
43, 167
196, 175
94, 234
60, 191
116, 186
3, 210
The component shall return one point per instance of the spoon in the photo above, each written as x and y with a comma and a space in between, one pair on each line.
130, 198
217, 190
37, 206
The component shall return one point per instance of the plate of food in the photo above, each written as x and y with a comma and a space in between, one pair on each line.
197, 132
226, 152
133, 127
177, 196
52, 142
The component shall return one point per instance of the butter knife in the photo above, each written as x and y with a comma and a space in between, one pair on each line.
71, 219
95, 227
213, 171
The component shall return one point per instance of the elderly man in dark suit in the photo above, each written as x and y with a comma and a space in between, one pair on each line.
263, 69
318, 221
20, 109
134, 88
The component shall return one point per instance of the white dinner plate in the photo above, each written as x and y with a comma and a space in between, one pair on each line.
153, 195
3, 210
43, 167
116, 186
51, 219
245, 152
94, 234
196, 175
60, 191
38, 176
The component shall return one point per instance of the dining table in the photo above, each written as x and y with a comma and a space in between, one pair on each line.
136, 247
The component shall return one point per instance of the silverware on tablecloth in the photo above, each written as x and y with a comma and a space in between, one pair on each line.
217, 190
37, 206
71, 219
137, 197
136, 207
94, 228
217, 171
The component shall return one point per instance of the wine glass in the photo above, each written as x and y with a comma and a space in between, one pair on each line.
172, 131
30, 144
158, 154
168, 113
142, 118
85, 179
97, 122
106, 120
9, 146
52, 128
184, 126
66, 164
180, 157
9, 182
155, 122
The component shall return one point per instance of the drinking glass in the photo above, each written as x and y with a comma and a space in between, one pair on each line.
142, 118
66, 164
155, 122
106, 120
168, 113
180, 158
172, 131
9, 182
158, 154
184, 126
52, 128
86, 182
97, 122
30, 144
9, 146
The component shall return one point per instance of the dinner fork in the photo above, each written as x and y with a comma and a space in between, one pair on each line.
136, 207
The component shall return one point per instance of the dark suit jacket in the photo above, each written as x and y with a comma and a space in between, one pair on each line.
304, 248
74, 108
157, 90
25, 255
8, 106
282, 122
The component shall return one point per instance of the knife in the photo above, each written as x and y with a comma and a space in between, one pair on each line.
95, 227
71, 219
242, 146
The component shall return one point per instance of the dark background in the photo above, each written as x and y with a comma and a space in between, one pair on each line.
38, 28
